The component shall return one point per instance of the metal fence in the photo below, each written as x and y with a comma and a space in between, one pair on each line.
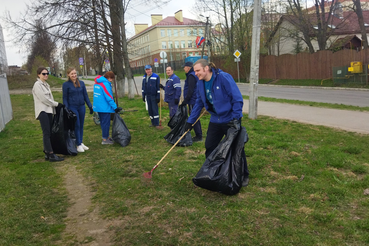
6, 111
176, 65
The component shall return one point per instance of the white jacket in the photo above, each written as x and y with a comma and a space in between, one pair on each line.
43, 98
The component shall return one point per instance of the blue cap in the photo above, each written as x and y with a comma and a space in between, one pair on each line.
147, 67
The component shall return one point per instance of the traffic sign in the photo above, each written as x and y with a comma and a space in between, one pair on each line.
156, 60
163, 54
237, 59
237, 54
80, 61
163, 61
156, 64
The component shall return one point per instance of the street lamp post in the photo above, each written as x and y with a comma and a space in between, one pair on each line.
206, 31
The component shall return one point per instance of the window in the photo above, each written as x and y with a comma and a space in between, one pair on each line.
175, 32
184, 55
189, 43
169, 32
162, 33
194, 32
176, 44
201, 32
183, 44
190, 54
196, 53
178, 56
188, 32
163, 45
181, 32
170, 44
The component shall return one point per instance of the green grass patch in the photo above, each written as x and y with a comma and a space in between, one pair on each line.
313, 104
306, 185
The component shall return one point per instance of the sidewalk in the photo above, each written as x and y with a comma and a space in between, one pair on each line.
353, 121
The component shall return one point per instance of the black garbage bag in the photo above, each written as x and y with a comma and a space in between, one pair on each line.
179, 128
61, 140
178, 116
223, 170
120, 132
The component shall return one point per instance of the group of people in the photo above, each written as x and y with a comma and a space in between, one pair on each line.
205, 86
151, 94
74, 98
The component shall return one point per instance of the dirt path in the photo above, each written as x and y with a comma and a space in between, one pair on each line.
84, 225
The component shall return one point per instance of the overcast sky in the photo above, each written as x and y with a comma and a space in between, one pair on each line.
138, 13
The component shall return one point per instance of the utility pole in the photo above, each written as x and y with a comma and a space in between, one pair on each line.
206, 31
254, 66
208, 41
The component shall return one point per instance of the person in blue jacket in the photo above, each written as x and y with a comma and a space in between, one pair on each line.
172, 91
221, 97
190, 95
74, 98
104, 103
151, 94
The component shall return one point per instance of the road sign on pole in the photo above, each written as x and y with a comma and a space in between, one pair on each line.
237, 54
163, 54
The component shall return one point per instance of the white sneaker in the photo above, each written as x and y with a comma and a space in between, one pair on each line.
80, 148
84, 147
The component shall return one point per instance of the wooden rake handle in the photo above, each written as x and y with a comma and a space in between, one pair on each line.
184, 134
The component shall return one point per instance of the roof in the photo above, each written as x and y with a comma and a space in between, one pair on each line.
171, 21
342, 42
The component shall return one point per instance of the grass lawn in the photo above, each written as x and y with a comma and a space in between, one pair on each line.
306, 185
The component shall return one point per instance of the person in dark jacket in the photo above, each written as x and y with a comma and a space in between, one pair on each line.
221, 97
190, 95
151, 94
74, 98
172, 91
104, 103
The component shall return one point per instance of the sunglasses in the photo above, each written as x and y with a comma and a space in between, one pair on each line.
45, 74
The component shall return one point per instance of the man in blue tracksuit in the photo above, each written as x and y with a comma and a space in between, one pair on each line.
221, 97
151, 94
190, 95
172, 91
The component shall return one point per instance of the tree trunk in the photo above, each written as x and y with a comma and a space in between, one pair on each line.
97, 44
117, 47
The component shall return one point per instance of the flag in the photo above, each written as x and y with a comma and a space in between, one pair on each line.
199, 41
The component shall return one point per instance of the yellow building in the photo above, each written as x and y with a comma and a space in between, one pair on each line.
176, 35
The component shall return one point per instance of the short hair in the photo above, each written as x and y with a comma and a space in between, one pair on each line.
109, 75
205, 63
170, 68
40, 69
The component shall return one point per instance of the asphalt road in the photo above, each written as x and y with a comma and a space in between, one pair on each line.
355, 97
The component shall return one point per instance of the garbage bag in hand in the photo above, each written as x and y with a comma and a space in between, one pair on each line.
223, 170
120, 132
179, 125
62, 125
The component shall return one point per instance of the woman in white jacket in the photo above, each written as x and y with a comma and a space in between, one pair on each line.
44, 110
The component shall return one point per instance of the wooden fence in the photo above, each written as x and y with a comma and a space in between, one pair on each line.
318, 65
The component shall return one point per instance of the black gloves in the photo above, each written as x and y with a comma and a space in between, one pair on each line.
188, 126
118, 109
235, 124
176, 101
161, 86
91, 110
184, 103
158, 100
60, 105
143, 99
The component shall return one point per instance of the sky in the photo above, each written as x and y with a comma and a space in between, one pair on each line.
138, 13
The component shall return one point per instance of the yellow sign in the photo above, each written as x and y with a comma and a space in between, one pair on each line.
81, 66
237, 54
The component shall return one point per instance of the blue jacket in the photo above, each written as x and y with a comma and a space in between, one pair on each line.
190, 87
151, 88
103, 103
75, 96
227, 99
172, 89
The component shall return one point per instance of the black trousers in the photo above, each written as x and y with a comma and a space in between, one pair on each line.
213, 137
46, 122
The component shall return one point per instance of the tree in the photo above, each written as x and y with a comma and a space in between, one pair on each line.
359, 13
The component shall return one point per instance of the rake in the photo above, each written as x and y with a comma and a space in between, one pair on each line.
148, 175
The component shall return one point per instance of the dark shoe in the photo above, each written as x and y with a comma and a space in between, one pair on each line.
196, 139
245, 182
54, 158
